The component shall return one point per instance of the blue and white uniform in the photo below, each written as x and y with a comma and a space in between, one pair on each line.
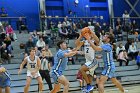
32, 66
4, 79
60, 64
109, 65
91, 62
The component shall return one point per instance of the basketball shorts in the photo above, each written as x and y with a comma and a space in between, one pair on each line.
110, 73
30, 75
55, 75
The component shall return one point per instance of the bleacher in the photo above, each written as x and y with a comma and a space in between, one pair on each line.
127, 75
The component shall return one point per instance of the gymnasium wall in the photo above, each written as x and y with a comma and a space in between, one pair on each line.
27, 8
120, 6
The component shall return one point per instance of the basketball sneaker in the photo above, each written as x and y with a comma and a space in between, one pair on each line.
89, 88
125, 91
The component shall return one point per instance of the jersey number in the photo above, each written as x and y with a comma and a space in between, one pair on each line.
32, 66
87, 50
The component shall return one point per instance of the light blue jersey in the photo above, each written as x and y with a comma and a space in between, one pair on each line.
109, 65
4, 79
60, 64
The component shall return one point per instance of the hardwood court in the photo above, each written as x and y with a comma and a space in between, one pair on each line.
131, 89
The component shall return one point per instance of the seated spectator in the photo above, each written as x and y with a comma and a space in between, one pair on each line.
119, 48
5, 54
40, 43
122, 57
3, 12
21, 25
37, 52
10, 32
34, 37
29, 44
132, 52
63, 32
138, 60
9, 46
134, 27
1, 28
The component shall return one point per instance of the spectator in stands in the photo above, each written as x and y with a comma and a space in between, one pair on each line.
43, 18
63, 32
40, 43
45, 68
126, 18
10, 32
133, 52
118, 34
9, 46
119, 48
37, 52
5, 81
128, 43
60, 63
49, 54
1, 28
138, 60
29, 44
122, 57
34, 37
118, 23
33, 65
3, 12
134, 27
5, 53
21, 25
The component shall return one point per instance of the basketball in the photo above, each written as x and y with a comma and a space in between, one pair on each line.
85, 31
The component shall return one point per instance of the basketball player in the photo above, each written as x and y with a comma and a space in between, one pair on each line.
109, 65
5, 81
91, 63
60, 63
33, 66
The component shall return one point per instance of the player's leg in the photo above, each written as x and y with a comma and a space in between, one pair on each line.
101, 82
56, 88
118, 84
63, 80
7, 90
40, 82
83, 71
90, 78
28, 82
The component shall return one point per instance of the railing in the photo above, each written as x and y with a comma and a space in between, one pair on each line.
12, 20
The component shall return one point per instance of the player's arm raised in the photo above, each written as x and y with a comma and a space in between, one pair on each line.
79, 43
96, 48
95, 38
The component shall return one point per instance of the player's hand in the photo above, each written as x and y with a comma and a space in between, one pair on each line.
2, 69
19, 71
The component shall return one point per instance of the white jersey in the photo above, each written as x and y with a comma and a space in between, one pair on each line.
89, 52
31, 64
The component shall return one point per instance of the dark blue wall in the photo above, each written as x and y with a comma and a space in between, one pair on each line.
27, 8
120, 6
62, 7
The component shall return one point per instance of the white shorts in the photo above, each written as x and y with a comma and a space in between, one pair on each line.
30, 75
92, 66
